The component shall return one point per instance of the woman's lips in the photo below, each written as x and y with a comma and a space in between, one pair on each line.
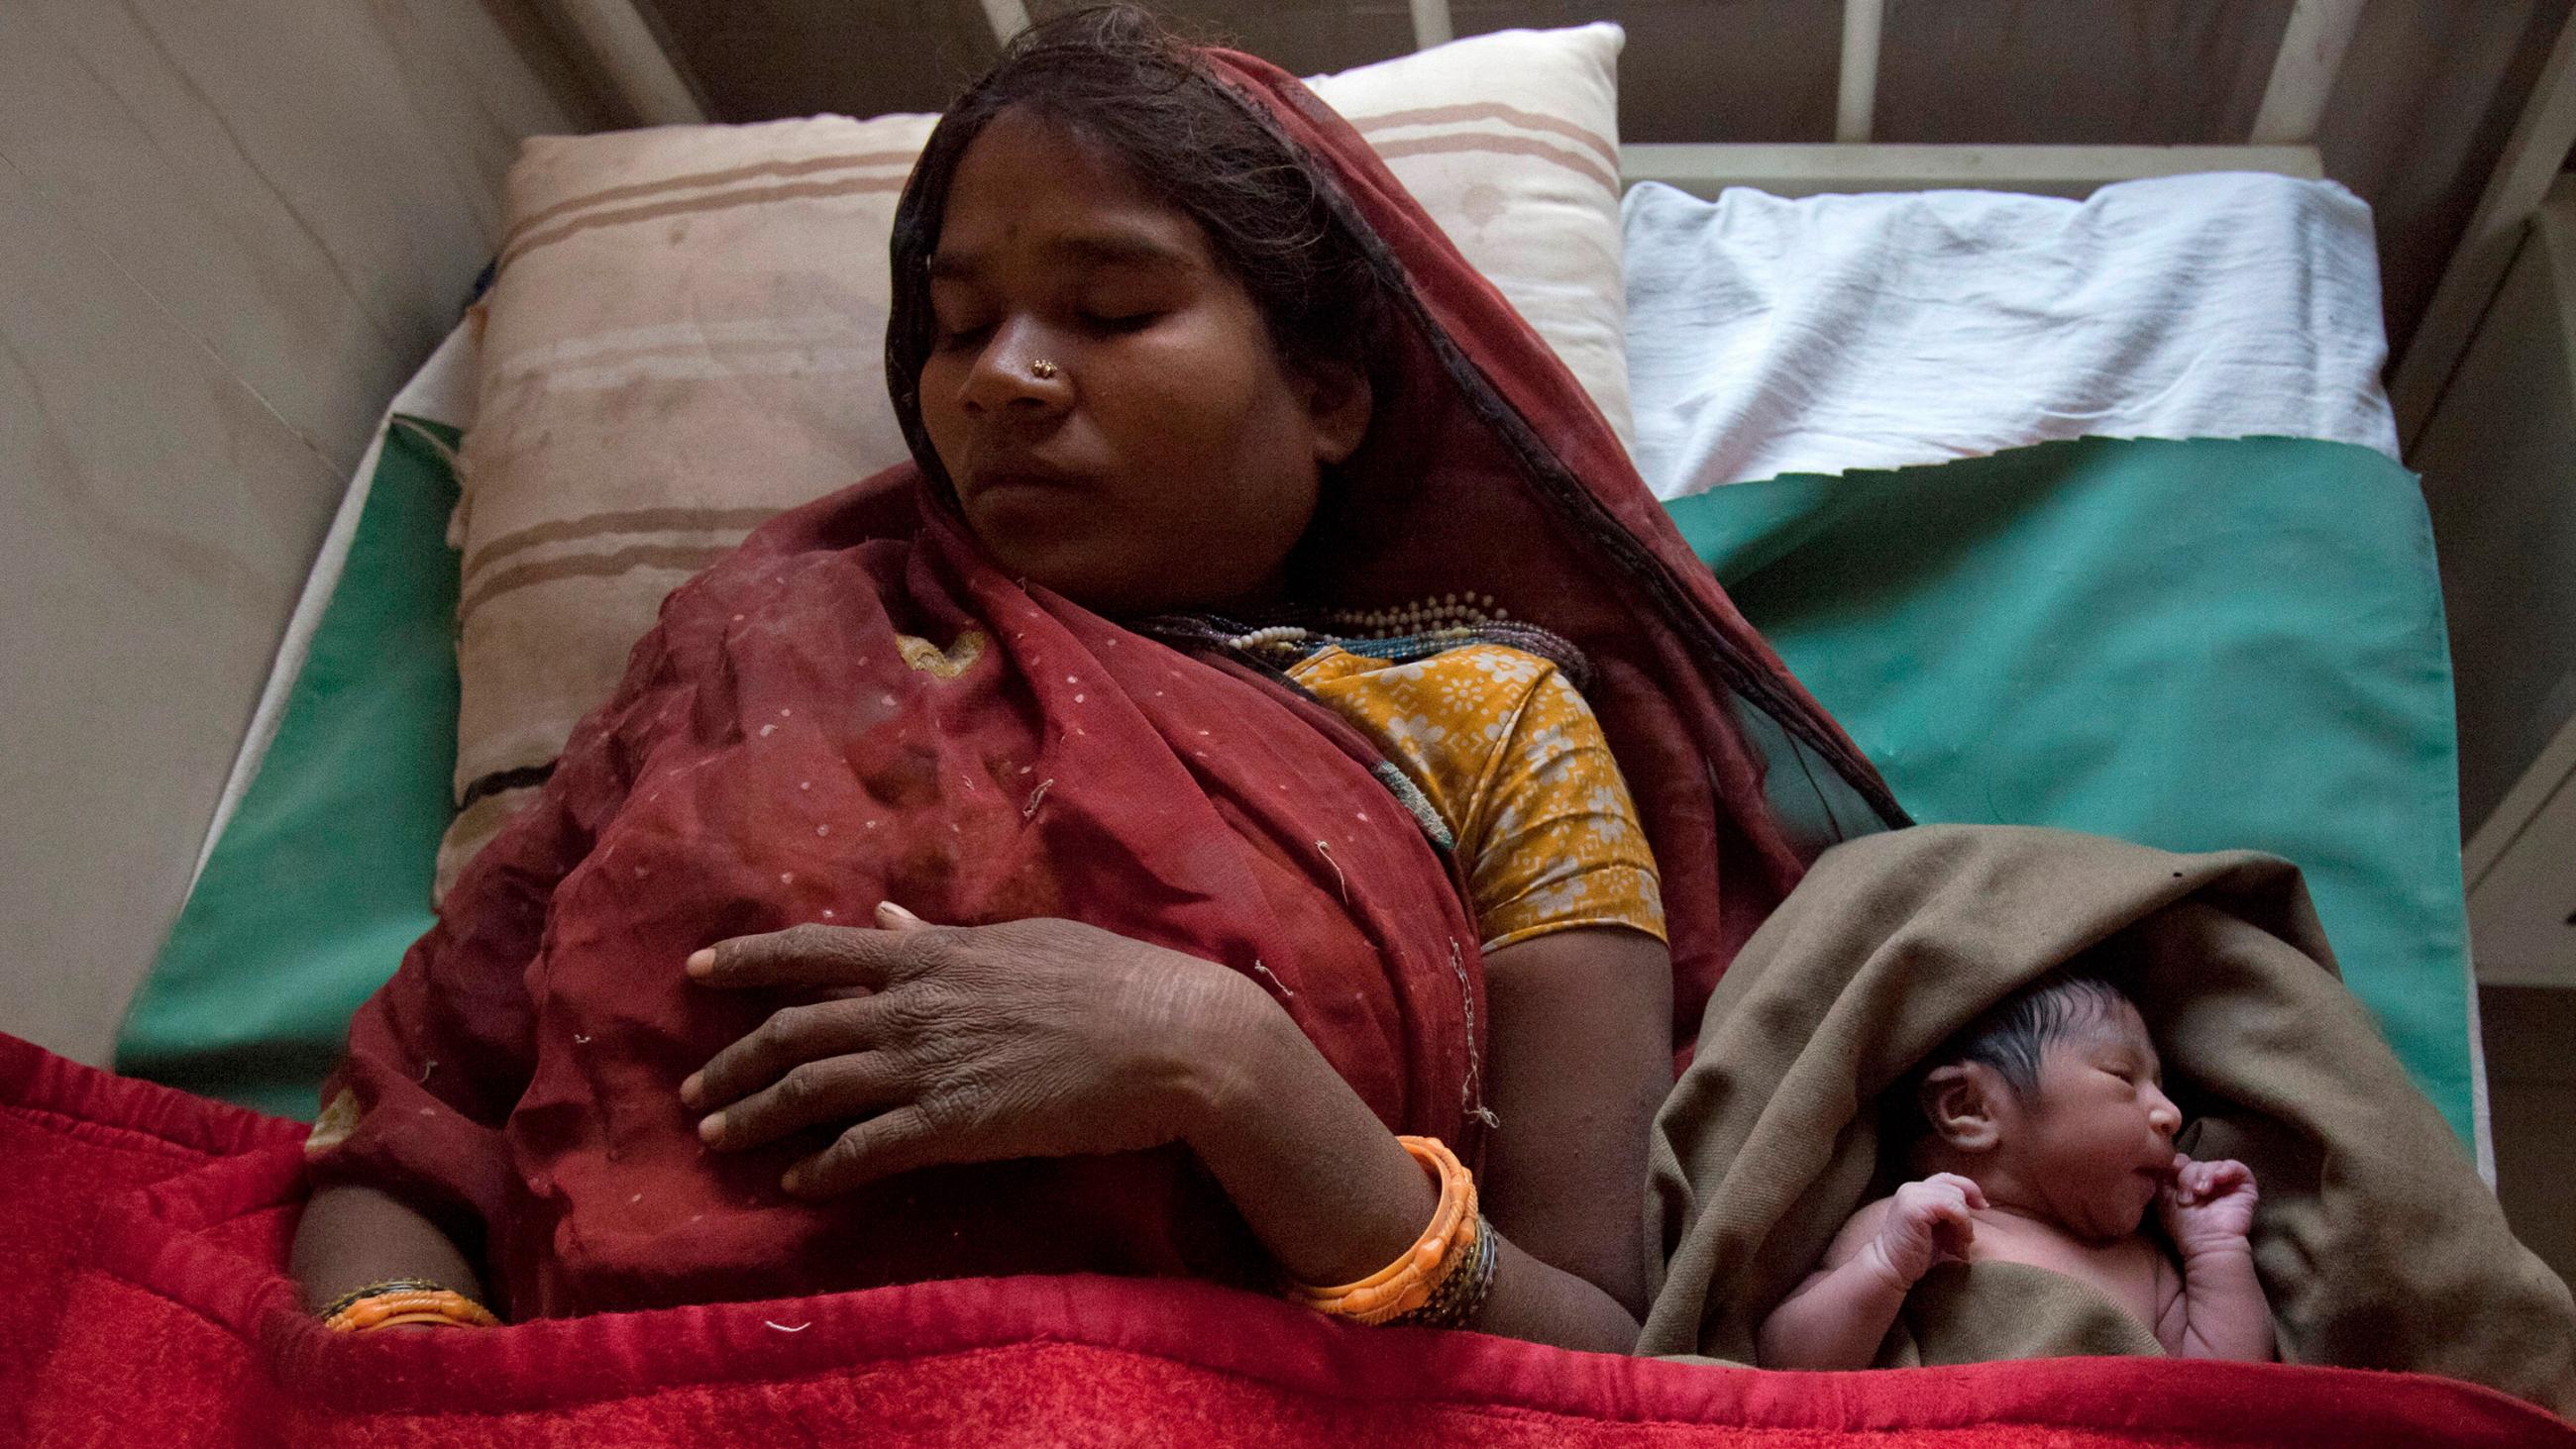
1019, 474
1012, 501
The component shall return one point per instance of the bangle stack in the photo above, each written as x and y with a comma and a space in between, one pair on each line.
1442, 1280
399, 1301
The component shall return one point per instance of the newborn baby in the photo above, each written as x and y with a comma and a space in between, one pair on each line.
2045, 1136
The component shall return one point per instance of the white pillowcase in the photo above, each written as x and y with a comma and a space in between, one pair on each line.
1769, 336
1511, 142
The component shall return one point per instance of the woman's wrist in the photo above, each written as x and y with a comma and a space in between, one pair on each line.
1237, 1037
1318, 1178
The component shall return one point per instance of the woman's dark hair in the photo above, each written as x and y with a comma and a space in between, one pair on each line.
1116, 76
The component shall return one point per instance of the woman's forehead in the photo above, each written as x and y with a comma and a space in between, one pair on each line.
1028, 181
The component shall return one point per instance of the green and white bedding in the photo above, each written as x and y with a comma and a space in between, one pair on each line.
2199, 645
2196, 644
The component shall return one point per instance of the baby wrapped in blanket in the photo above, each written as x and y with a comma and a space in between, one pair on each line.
2377, 1245
2041, 1135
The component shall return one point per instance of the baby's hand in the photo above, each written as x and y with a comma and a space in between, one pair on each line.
1927, 1222
2207, 1204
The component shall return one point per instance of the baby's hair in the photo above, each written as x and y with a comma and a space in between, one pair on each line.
2013, 1034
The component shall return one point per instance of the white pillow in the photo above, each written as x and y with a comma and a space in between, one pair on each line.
686, 335
1771, 336
1511, 142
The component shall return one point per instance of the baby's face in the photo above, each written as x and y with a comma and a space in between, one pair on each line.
2096, 1140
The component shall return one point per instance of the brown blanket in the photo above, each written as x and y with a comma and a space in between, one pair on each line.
2378, 1245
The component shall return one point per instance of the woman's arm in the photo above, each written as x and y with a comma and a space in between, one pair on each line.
1578, 1067
351, 1236
1051, 1038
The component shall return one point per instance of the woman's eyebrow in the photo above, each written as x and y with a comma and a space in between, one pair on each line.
1106, 249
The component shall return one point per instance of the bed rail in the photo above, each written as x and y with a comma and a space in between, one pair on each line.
2283, 139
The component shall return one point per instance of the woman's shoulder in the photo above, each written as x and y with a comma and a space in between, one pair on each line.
1446, 718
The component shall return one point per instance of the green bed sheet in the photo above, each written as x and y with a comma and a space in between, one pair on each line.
2197, 645
322, 876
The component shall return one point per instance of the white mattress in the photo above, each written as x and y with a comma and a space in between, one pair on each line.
1769, 336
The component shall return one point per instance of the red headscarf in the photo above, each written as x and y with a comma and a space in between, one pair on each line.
859, 706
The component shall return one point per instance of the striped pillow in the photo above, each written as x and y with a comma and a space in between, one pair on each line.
686, 333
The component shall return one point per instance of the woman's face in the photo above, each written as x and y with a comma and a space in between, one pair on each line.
1107, 400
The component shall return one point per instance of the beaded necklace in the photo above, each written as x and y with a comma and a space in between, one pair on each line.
1398, 634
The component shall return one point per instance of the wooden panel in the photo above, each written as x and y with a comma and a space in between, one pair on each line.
2304, 72
2532, 1077
2074, 171
1307, 37
2496, 461
2533, 157
2429, 91
759, 60
2138, 72
2522, 914
1707, 70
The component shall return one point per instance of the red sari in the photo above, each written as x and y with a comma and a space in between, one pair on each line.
859, 706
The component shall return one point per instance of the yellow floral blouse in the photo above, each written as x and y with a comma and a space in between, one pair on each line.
1515, 764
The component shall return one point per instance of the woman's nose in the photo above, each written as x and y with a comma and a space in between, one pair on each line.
1015, 377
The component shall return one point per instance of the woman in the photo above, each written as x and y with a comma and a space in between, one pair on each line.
1171, 349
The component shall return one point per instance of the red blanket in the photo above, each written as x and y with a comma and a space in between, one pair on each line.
143, 1302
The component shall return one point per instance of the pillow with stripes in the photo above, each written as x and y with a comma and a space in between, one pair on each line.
685, 334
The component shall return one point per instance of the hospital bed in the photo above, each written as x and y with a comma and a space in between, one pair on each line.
2062, 475
1923, 327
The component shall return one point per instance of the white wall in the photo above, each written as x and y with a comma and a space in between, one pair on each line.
228, 231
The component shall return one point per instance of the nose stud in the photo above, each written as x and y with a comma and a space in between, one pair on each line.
1040, 367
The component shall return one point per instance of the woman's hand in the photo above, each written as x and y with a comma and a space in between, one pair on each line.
1041, 1038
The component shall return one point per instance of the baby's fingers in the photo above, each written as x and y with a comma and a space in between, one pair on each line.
1952, 1231
1969, 1193
2229, 1173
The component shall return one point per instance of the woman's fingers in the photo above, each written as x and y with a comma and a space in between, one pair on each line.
815, 1093
897, 1141
791, 1037
812, 955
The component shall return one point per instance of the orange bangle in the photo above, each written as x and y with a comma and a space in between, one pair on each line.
383, 1310
1407, 1283
399, 1319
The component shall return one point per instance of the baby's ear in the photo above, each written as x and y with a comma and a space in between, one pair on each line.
1960, 1102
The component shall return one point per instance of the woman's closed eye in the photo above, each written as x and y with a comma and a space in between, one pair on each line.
1114, 323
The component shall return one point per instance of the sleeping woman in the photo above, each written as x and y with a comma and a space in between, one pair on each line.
1257, 799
